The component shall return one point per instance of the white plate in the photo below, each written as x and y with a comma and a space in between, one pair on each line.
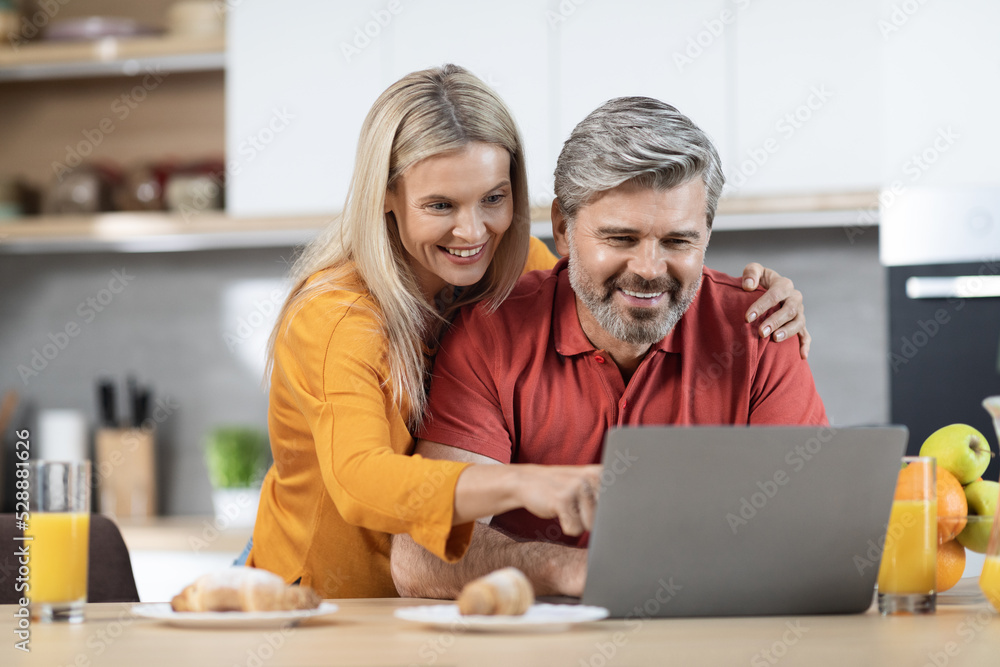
161, 611
539, 618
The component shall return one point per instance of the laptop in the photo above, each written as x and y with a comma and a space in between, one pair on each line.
741, 521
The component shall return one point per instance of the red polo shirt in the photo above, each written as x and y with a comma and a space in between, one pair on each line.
525, 385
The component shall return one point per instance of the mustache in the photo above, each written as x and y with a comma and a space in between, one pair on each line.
634, 283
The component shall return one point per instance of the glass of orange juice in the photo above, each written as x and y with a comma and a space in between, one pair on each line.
907, 577
989, 580
57, 533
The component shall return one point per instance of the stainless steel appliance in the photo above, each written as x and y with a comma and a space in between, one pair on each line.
942, 250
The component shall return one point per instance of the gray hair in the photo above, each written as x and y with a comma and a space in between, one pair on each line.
639, 140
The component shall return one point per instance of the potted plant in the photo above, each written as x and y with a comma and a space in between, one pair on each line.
236, 458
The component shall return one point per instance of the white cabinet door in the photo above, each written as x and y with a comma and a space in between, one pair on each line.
673, 51
300, 77
942, 92
504, 44
323, 65
806, 113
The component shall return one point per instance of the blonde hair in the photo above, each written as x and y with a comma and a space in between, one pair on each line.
426, 113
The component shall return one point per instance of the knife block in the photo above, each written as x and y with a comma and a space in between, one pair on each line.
126, 472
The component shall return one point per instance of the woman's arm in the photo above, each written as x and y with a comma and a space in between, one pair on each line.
568, 493
334, 367
788, 320
554, 569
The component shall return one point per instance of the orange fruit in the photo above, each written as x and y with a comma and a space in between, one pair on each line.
953, 507
950, 564
910, 483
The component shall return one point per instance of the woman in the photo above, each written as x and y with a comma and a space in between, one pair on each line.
436, 217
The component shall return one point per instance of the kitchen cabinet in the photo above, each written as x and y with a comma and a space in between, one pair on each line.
672, 51
316, 66
808, 91
125, 101
328, 75
552, 62
507, 48
941, 92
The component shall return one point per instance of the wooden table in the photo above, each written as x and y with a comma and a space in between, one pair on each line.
364, 632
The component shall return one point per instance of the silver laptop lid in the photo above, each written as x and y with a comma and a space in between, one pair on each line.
732, 521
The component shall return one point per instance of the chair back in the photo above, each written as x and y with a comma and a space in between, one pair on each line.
109, 568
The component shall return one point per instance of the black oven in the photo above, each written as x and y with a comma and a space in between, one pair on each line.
942, 250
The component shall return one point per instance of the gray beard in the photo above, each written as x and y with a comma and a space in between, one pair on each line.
638, 326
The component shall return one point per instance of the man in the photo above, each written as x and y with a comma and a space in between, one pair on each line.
628, 328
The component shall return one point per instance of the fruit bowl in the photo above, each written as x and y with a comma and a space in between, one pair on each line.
960, 560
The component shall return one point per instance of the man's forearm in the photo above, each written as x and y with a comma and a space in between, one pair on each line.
554, 569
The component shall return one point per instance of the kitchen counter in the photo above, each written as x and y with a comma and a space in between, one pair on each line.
364, 632
170, 552
183, 533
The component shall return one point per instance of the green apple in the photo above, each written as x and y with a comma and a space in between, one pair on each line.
983, 497
960, 449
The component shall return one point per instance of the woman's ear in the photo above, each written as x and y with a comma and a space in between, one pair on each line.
559, 229
390, 202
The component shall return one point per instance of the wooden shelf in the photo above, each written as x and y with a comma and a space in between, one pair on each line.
153, 232
173, 232
111, 57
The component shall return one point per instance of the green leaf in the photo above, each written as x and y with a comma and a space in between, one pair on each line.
235, 456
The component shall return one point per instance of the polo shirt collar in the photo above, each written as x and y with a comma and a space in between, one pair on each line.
568, 333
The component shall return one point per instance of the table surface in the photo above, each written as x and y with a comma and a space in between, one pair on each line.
364, 632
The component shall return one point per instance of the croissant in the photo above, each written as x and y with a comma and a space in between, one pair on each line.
243, 589
503, 592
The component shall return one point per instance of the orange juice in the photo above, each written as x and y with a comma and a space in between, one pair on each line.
989, 580
909, 561
58, 556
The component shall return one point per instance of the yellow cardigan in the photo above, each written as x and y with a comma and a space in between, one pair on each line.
343, 478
